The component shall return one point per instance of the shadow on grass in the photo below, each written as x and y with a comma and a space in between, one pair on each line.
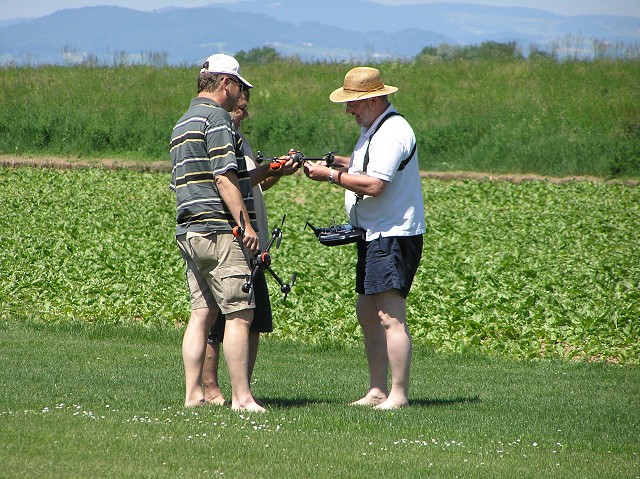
303, 402
292, 403
444, 402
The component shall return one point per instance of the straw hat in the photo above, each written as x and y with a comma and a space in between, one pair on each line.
361, 83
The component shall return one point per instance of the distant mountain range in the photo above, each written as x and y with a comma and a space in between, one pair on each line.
314, 31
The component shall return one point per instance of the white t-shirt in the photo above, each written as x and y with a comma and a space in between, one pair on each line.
399, 210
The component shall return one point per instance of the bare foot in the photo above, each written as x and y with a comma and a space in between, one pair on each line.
218, 401
198, 403
370, 400
215, 399
252, 406
390, 405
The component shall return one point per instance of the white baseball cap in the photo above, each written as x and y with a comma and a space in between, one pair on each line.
221, 63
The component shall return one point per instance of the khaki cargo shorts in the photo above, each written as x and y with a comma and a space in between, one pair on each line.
217, 267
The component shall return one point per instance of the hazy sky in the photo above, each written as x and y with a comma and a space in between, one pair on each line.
39, 8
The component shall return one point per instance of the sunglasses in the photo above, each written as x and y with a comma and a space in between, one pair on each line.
239, 83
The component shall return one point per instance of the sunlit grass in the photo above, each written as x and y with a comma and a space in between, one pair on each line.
83, 400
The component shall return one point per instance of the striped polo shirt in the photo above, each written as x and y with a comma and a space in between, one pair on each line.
203, 146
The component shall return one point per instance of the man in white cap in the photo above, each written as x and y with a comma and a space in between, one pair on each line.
384, 197
262, 316
213, 195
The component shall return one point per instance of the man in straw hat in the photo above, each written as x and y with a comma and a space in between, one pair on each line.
384, 197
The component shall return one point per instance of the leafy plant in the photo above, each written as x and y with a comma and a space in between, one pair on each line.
529, 270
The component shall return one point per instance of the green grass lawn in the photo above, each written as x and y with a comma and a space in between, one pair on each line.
81, 400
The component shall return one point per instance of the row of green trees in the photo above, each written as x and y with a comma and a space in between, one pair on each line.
72, 57
570, 48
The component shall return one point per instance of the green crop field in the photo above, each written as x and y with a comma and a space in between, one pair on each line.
529, 270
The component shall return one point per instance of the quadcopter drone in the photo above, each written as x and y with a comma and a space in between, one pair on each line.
295, 155
262, 261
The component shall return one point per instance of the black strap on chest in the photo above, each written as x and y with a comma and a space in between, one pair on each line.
404, 162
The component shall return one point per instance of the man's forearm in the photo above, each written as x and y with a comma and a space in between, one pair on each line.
341, 161
229, 189
260, 174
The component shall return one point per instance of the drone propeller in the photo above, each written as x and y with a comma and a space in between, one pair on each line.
286, 288
278, 232
250, 297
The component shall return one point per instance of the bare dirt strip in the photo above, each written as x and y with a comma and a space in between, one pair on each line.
165, 167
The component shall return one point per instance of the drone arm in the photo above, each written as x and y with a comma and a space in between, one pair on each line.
274, 275
284, 287
274, 236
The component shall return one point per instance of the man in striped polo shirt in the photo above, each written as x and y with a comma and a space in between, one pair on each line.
213, 191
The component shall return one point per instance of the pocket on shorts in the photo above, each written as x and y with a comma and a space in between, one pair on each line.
202, 250
232, 293
384, 246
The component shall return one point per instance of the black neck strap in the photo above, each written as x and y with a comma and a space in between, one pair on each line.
366, 154
403, 163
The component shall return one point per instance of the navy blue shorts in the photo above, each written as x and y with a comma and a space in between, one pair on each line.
262, 318
388, 263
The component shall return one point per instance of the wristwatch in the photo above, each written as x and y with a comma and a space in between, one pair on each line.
330, 177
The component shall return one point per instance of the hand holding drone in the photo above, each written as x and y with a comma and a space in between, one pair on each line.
262, 261
295, 155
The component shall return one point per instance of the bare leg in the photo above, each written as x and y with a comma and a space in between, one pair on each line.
254, 342
212, 393
392, 308
236, 354
375, 347
193, 351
